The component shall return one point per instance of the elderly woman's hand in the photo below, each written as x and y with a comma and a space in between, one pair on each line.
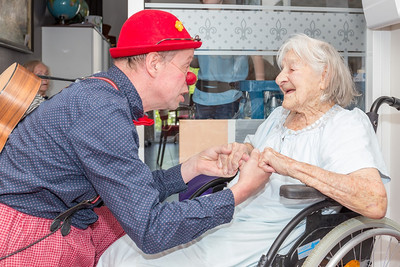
272, 161
251, 178
239, 153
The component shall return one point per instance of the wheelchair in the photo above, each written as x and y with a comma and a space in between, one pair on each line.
343, 238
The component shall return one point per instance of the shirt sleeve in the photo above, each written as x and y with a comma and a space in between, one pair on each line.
106, 144
169, 182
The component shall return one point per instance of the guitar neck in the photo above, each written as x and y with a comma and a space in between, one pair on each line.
56, 78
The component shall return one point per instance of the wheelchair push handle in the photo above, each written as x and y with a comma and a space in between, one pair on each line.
390, 100
373, 113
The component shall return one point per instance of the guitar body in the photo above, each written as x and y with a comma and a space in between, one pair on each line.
18, 87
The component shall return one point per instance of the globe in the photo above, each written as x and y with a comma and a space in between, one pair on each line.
84, 10
63, 9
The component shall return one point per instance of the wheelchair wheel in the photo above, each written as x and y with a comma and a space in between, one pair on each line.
353, 243
373, 233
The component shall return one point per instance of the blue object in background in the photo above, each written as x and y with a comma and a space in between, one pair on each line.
63, 9
256, 90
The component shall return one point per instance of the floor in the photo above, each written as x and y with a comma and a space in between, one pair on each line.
171, 155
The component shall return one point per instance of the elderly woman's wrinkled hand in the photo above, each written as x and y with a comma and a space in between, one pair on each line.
239, 153
273, 161
252, 179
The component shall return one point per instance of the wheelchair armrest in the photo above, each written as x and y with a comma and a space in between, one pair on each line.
299, 191
203, 185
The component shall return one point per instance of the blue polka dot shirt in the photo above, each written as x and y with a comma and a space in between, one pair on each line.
81, 143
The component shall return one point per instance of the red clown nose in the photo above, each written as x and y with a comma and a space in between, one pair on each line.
191, 78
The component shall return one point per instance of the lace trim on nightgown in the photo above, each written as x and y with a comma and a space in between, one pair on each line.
317, 124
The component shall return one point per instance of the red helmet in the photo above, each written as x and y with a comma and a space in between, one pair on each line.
152, 30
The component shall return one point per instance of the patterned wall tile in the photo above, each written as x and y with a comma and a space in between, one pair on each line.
266, 30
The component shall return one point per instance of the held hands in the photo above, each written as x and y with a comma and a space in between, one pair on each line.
256, 171
251, 179
207, 162
224, 161
230, 163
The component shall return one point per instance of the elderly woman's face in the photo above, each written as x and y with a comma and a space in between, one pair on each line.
41, 69
301, 85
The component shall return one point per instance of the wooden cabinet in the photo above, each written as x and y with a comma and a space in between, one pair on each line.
72, 52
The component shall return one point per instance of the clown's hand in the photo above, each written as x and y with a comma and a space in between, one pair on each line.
251, 179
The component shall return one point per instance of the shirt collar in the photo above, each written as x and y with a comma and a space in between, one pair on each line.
130, 92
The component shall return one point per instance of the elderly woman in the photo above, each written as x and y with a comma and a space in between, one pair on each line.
311, 139
39, 68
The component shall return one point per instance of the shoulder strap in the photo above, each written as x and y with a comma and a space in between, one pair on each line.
107, 80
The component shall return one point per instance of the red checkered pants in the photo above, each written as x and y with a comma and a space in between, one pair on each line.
79, 248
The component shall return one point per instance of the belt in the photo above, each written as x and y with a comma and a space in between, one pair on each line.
215, 86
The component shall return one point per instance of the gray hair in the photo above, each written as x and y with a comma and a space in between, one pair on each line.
322, 56
134, 61
30, 65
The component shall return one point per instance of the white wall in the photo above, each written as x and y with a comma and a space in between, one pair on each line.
383, 55
135, 6
395, 125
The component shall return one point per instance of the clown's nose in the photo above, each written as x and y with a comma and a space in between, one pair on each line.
190, 78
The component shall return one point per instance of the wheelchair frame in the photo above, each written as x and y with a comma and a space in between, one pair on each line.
315, 228
345, 226
338, 230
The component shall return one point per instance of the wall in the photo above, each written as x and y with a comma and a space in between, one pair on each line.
115, 15
40, 17
382, 80
395, 124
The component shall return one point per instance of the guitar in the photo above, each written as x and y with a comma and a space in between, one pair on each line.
18, 87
